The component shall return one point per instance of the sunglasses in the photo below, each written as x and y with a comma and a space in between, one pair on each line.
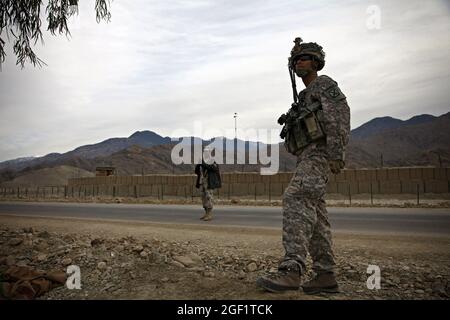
304, 58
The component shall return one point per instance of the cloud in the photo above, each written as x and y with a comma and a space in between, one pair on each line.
163, 65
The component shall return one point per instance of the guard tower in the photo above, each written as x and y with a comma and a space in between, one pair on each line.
105, 171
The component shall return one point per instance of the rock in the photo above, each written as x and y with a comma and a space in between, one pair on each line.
229, 261
176, 264
28, 230
15, 241
164, 279
60, 252
419, 291
395, 279
42, 257
44, 234
68, 238
187, 261
138, 248
197, 269
196, 258
144, 254
101, 265
438, 288
209, 274
109, 287
66, 261
120, 248
273, 270
241, 274
96, 242
388, 282
251, 267
124, 265
157, 257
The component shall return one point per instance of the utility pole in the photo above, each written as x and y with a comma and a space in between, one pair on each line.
235, 125
235, 136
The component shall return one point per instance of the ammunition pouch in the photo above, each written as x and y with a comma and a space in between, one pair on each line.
303, 127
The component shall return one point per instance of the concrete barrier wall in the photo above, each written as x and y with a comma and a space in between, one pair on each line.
376, 181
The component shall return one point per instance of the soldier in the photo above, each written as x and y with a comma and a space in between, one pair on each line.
316, 130
208, 179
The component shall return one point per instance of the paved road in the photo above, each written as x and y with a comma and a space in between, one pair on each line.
365, 220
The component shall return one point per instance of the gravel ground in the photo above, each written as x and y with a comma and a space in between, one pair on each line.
134, 260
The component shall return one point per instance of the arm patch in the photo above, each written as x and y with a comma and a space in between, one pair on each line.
334, 93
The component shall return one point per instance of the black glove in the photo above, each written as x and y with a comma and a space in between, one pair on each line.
336, 166
282, 119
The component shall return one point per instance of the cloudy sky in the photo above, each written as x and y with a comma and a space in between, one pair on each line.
163, 65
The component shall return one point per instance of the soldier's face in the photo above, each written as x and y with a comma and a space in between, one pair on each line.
303, 66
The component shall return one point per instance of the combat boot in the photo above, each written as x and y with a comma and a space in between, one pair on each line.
323, 282
204, 216
208, 215
281, 281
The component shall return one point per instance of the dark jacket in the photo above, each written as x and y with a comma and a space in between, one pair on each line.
212, 173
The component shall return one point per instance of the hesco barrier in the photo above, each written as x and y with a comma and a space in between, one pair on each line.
361, 181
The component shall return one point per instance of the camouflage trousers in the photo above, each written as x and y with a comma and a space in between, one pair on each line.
305, 218
207, 197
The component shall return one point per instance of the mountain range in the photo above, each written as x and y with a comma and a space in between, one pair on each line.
423, 140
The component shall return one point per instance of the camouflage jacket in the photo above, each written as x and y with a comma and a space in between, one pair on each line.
335, 116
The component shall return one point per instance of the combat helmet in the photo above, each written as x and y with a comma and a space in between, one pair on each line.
310, 48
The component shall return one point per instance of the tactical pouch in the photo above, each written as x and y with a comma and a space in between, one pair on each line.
304, 129
313, 126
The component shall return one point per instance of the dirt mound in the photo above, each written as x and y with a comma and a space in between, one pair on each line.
55, 176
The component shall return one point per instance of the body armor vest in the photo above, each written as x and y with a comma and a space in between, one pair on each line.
304, 125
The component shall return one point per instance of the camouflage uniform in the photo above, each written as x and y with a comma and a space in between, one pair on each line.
305, 219
207, 194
